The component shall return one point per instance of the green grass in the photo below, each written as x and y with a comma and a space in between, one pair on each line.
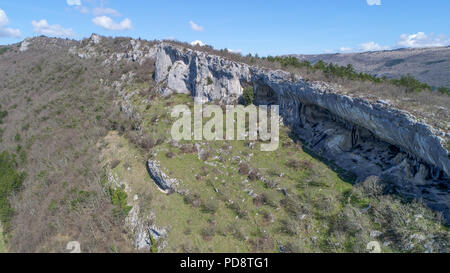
2, 242
237, 215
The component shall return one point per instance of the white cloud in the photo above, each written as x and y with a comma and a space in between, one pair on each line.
420, 39
372, 46
43, 27
6, 31
73, 2
235, 51
3, 18
109, 24
345, 49
374, 2
195, 27
10, 32
105, 11
197, 42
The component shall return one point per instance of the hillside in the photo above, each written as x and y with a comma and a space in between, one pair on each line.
85, 135
429, 65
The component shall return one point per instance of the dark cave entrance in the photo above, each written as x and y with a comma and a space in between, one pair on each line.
265, 95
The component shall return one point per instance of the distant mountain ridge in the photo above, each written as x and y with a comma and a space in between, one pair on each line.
429, 65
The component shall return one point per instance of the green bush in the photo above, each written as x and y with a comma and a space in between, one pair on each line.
17, 137
248, 96
210, 206
153, 247
3, 114
411, 84
444, 90
3, 50
10, 183
119, 199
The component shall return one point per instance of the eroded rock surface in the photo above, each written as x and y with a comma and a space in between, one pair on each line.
163, 182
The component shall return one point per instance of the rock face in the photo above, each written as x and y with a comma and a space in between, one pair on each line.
163, 182
206, 77
362, 137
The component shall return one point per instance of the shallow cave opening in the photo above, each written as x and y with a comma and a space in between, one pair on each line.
265, 95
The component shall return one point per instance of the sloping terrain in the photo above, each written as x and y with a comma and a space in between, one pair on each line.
56, 111
429, 65
85, 118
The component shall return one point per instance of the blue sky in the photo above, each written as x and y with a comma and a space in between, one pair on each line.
266, 27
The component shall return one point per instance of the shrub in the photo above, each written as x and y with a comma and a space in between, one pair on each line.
293, 163
248, 96
411, 84
3, 114
267, 217
271, 184
236, 231
210, 206
240, 212
153, 247
295, 246
262, 243
170, 154
244, 169
254, 175
209, 232
119, 199
193, 199
371, 187
115, 163
3, 50
442, 90
289, 226
205, 155
10, 183
258, 201
270, 199
147, 144
292, 205
81, 199
299, 165
188, 149
17, 137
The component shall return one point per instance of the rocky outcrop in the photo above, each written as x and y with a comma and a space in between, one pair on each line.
130, 50
363, 137
206, 77
163, 182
